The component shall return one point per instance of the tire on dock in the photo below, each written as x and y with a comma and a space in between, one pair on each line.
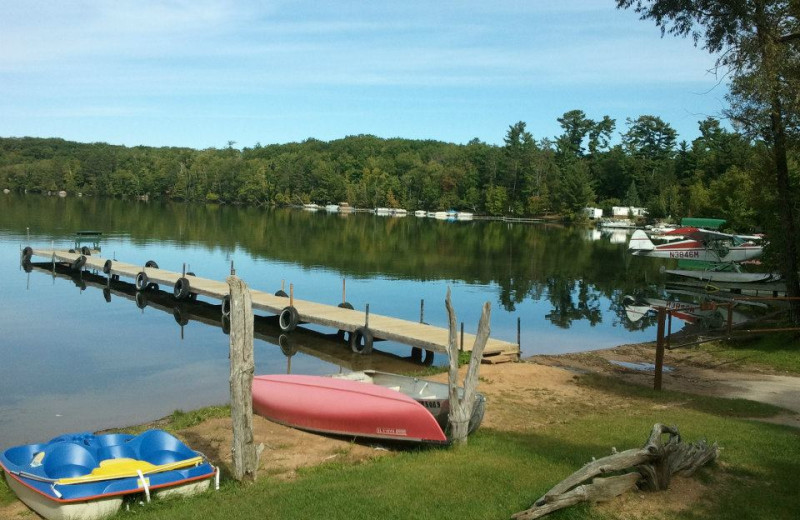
182, 288
423, 357
141, 281
361, 340
27, 254
107, 267
281, 293
151, 263
78, 264
225, 306
288, 319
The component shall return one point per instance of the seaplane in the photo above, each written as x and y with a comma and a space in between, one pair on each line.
699, 244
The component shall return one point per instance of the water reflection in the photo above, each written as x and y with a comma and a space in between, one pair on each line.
78, 354
327, 347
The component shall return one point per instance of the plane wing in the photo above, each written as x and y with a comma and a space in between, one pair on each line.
700, 234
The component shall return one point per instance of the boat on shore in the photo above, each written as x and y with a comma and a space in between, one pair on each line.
434, 396
86, 476
367, 404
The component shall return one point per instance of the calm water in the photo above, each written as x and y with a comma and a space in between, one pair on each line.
71, 360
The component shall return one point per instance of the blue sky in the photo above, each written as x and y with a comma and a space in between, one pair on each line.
201, 73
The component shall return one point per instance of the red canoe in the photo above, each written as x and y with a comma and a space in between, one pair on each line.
342, 407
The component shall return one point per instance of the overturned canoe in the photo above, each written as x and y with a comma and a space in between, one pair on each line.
434, 396
343, 407
85, 476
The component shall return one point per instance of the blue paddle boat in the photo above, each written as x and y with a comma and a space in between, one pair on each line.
85, 476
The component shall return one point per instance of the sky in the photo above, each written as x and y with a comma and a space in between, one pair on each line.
203, 73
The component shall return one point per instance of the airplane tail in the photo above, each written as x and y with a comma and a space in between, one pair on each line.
640, 242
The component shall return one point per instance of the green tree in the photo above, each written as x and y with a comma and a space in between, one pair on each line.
757, 44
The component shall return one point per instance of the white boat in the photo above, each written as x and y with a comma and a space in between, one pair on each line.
440, 215
344, 207
464, 215
616, 224
310, 207
399, 212
725, 276
382, 211
332, 208
420, 213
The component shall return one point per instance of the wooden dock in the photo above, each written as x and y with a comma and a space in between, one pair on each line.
327, 347
363, 327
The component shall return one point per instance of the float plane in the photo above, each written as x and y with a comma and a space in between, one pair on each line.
699, 244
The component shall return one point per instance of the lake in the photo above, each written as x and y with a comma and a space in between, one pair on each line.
75, 357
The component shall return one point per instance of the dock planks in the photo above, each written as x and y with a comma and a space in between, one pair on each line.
418, 335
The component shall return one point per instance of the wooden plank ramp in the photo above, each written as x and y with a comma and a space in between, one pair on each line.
413, 334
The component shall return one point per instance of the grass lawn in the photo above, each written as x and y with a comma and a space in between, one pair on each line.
501, 472
778, 351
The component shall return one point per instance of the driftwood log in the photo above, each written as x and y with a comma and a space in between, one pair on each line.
244, 452
650, 468
461, 406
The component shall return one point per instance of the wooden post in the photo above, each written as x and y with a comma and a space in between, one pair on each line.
669, 329
422, 311
291, 295
659, 349
519, 333
461, 408
461, 343
730, 318
344, 291
366, 317
244, 452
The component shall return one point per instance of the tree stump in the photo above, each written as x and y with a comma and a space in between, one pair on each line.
649, 468
461, 407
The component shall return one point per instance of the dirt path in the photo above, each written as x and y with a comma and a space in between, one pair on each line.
689, 371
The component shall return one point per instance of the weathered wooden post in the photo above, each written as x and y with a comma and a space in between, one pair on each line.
461, 407
730, 319
244, 452
662, 312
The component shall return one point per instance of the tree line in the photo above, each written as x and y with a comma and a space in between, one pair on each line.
711, 176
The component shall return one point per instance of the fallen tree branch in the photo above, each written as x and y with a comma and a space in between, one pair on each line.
650, 467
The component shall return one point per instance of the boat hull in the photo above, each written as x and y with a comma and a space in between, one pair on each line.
82, 476
434, 396
47, 508
342, 407
724, 276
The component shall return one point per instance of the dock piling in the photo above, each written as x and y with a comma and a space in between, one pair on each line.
366, 317
422, 311
291, 295
344, 292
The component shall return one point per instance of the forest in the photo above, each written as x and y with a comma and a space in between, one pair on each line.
592, 163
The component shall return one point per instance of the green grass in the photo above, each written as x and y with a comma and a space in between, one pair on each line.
6, 495
778, 351
180, 420
499, 473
